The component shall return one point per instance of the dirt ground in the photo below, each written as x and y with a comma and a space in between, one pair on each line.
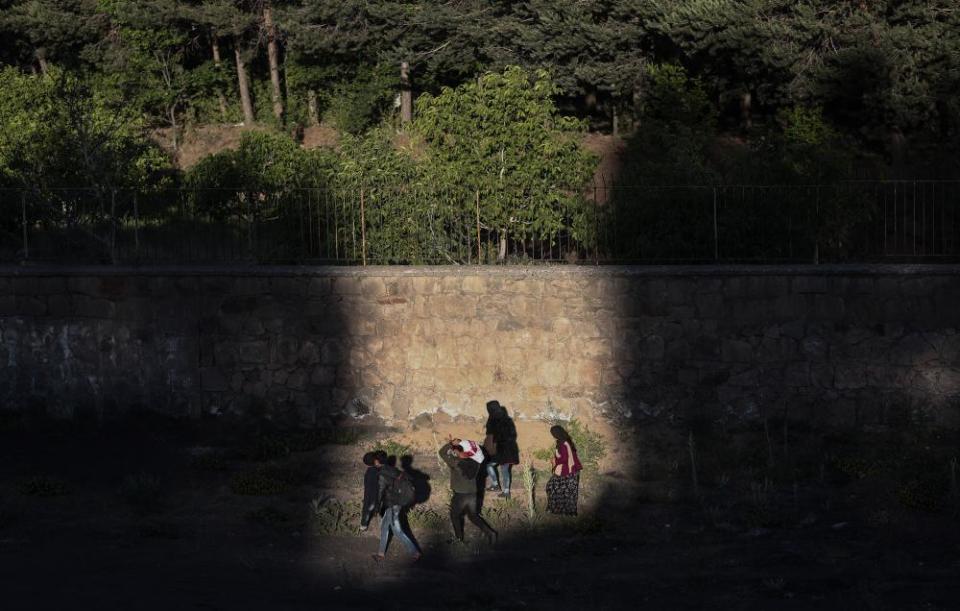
163, 517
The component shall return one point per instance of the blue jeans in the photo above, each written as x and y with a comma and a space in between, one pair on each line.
504, 479
391, 521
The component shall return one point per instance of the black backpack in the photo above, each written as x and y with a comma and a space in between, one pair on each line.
400, 491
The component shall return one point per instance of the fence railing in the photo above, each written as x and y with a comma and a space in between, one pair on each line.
846, 221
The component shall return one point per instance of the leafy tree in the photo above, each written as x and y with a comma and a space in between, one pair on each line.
44, 32
502, 138
56, 133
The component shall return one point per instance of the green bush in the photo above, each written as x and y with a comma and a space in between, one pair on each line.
426, 518
143, 490
269, 515
268, 447
591, 446
392, 448
330, 516
544, 454
41, 485
210, 461
262, 481
355, 105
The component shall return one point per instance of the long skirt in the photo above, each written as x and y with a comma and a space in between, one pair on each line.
562, 492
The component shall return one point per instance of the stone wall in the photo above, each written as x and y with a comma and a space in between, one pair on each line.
861, 346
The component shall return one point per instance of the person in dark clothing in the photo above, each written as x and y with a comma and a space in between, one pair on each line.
371, 487
376, 495
501, 446
463, 482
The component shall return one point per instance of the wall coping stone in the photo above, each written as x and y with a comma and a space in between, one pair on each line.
515, 271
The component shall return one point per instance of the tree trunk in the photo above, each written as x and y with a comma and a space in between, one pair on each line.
243, 84
174, 130
273, 58
41, 55
406, 95
222, 99
898, 156
746, 110
502, 251
312, 108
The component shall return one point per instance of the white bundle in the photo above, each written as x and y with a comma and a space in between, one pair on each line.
472, 450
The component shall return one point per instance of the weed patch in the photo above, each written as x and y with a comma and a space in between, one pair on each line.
143, 491
425, 518
268, 516
210, 461
393, 448
263, 481
330, 516
41, 485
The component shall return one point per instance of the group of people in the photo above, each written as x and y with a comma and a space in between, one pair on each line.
388, 492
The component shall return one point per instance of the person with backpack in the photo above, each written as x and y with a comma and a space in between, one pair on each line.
394, 492
464, 459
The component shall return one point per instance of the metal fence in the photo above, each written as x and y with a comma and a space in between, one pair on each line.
847, 221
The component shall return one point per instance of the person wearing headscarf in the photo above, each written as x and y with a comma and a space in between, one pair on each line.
563, 487
502, 449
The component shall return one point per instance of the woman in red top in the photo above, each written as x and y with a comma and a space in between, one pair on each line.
564, 486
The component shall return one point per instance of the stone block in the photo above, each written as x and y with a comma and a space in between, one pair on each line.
89, 285
551, 374
814, 347
652, 348
797, 375
323, 376
736, 351
849, 376
252, 352
475, 285
90, 307
709, 305
810, 284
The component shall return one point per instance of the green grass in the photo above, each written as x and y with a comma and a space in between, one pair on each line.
42, 485
426, 518
331, 516
262, 481
393, 448
142, 491
268, 516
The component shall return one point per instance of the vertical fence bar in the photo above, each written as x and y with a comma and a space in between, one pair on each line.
716, 230
479, 253
363, 231
23, 212
914, 250
596, 225
113, 227
136, 225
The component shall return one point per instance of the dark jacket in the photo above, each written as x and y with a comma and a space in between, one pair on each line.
376, 482
371, 494
463, 471
504, 434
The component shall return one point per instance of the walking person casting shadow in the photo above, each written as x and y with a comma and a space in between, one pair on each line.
464, 459
501, 448
386, 487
